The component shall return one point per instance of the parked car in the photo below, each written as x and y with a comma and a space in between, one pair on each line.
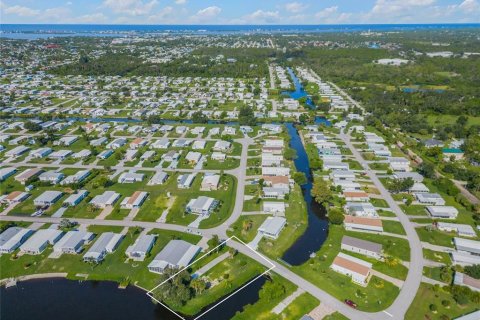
351, 303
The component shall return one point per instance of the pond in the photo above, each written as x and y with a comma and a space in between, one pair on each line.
46, 299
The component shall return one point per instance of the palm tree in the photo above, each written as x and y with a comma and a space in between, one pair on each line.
247, 225
391, 261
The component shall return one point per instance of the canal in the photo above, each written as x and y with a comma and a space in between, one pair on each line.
299, 90
46, 299
317, 230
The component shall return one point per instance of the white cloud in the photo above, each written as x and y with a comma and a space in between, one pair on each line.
56, 14
91, 18
20, 11
207, 14
163, 16
180, 2
469, 6
131, 7
261, 16
295, 7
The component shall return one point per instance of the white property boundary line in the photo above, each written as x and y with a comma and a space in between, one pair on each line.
150, 294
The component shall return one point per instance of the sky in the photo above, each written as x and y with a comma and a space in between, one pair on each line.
239, 11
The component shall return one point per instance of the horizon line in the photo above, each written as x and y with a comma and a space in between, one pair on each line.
326, 24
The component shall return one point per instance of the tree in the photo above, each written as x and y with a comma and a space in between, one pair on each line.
300, 178
391, 261
321, 191
246, 116
198, 285
290, 153
335, 216
32, 126
427, 169
473, 271
247, 225
199, 117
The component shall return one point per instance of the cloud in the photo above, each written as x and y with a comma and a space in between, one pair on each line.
163, 16
55, 14
20, 11
261, 16
131, 7
206, 14
180, 2
295, 7
91, 18
469, 6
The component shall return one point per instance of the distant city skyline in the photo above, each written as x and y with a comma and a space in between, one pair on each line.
239, 12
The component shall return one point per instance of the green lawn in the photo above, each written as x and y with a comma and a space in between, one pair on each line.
302, 305
114, 267
435, 237
246, 235
393, 227
437, 256
297, 220
414, 210
378, 295
271, 294
426, 295
240, 270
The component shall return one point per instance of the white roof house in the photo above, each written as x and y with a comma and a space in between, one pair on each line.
176, 254
16, 152
158, 178
463, 230
210, 181
51, 176
75, 198
467, 245
430, 198
106, 243
184, 181
218, 156
72, 242
47, 198
77, 177
464, 258
199, 145
193, 156
142, 246
361, 209
108, 198
272, 227
6, 172
40, 240
222, 145
201, 205
12, 238
275, 171
130, 177
274, 207
445, 212
419, 187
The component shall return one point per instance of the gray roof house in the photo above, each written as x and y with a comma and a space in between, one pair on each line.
40, 240
108, 198
176, 254
272, 227
106, 243
142, 246
72, 242
12, 238
367, 248
47, 198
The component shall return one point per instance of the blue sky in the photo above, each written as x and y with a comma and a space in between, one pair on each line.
239, 11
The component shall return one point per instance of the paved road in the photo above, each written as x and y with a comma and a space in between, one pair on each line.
414, 277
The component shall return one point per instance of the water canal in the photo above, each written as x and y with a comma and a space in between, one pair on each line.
317, 230
46, 299
299, 90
